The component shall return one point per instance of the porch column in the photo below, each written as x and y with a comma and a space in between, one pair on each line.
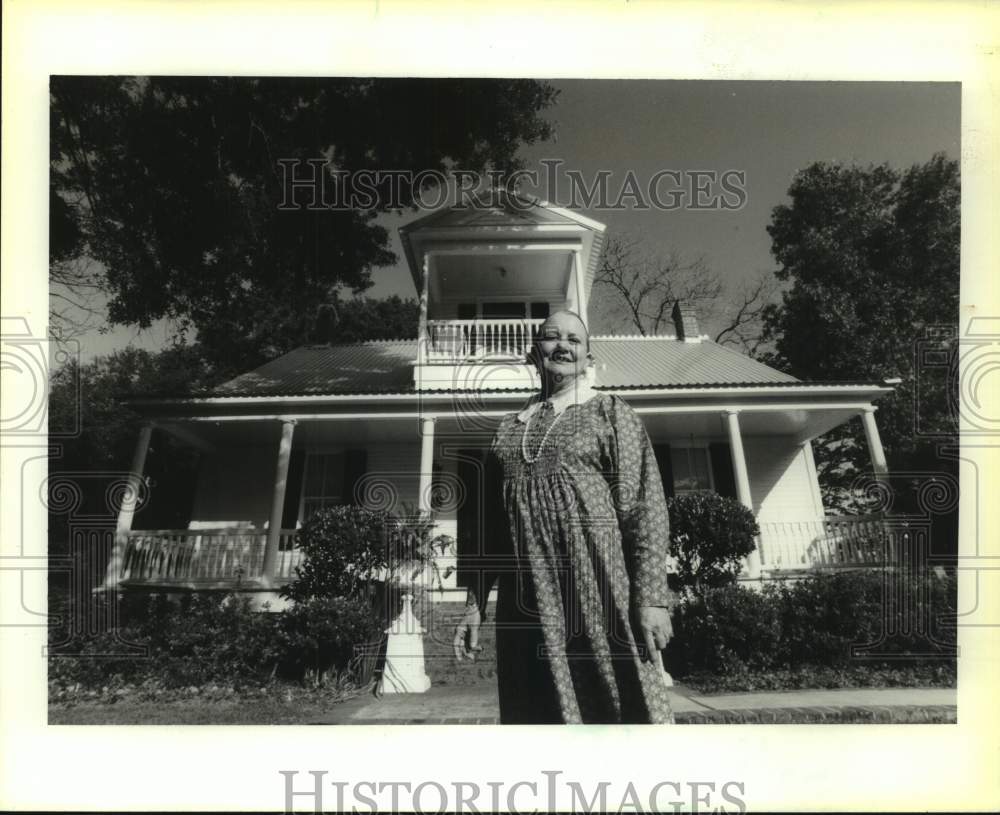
423, 335
742, 481
269, 570
129, 502
426, 464
581, 306
874, 443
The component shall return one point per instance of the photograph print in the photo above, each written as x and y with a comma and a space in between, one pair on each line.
502, 401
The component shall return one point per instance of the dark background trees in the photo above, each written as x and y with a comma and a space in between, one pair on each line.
867, 283
870, 259
172, 186
164, 203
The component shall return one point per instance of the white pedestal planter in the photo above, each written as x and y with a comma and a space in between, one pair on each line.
404, 654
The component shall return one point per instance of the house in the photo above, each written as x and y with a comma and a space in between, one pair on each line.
394, 423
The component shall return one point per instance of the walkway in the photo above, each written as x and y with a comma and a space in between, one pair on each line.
477, 704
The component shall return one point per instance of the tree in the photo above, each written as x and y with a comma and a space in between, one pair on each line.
172, 186
392, 318
872, 258
94, 397
640, 288
637, 289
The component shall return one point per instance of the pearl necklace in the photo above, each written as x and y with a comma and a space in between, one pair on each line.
545, 437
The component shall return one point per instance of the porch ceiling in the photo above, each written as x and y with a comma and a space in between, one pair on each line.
207, 435
799, 423
502, 275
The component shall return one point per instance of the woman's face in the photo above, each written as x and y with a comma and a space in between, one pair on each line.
561, 347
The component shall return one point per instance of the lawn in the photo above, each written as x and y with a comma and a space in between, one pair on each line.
279, 709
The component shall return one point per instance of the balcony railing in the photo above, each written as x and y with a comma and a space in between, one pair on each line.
834, 541
204, 557
471, 340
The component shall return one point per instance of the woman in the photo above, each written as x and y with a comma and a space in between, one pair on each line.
579, 553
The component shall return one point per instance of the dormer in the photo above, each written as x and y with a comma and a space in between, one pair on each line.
487, 274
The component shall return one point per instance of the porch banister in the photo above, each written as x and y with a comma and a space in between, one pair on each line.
426, 464
879, 465
127, 510
742, 480
270, 566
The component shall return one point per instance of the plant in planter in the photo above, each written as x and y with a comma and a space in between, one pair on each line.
415, 547
710, 535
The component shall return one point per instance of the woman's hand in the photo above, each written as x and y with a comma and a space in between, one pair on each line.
655, 629
466, 640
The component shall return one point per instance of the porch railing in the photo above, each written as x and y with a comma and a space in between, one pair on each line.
204, 556
833, 541
456, 340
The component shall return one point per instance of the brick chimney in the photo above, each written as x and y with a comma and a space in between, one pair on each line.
685, 323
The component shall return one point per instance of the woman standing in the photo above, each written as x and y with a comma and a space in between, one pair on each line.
579, 551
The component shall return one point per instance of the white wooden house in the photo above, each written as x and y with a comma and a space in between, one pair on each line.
391, 423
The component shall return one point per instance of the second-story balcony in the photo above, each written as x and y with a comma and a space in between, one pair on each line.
469, 341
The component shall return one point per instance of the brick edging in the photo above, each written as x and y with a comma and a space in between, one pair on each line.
855, 714
851, 714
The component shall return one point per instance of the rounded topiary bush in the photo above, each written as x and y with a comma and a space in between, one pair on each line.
710, 535
345, 549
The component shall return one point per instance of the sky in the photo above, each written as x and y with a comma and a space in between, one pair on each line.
767, 130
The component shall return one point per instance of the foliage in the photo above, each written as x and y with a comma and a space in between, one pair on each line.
211, 638
88, 407
812, 677
815, 621
347, 549
367, 319
205, 638
872, 258
324, 632
710, 535
172, 185
344, 549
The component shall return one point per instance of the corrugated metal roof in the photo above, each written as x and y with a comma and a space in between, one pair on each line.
387, 367
640, 362
367, 367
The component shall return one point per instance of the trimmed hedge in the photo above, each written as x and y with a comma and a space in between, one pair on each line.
839, 620
710, 537
212, 639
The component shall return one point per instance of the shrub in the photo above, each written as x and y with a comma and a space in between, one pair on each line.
345, 549
348, 550
323, 634
710, 535
200, 639
839, 621
213, 638
725, 630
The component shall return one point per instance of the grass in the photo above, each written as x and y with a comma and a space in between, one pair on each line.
278, 710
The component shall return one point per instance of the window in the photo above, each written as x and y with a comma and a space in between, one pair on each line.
691, 468
323, 485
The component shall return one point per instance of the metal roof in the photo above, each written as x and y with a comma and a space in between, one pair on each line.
387, 367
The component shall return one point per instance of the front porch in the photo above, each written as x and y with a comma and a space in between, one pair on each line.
206, 559
234, 559
258, 483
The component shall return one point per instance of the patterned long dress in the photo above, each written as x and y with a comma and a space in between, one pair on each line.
584, 544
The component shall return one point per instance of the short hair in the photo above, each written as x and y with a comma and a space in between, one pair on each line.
571, 313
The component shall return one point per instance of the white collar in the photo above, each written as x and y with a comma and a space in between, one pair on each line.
562, 400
